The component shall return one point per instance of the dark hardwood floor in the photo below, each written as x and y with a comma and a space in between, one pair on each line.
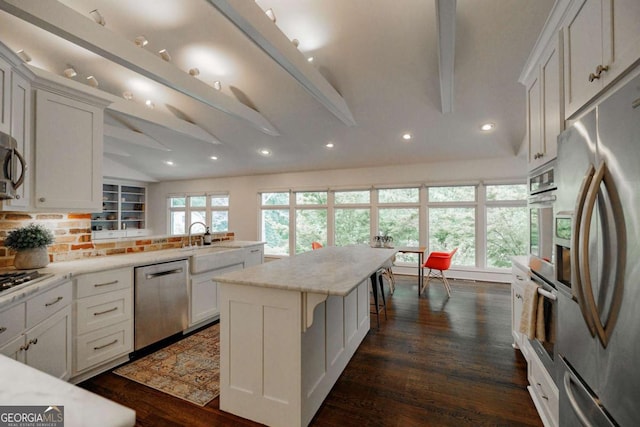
433, 362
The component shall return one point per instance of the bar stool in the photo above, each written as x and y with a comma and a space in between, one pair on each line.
376, 281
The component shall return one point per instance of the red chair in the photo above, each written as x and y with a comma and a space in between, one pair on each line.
439, 261
316, 245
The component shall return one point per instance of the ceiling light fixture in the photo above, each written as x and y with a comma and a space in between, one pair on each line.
164, 54
70, 72
93, 82
264, 152
270, 14
487, 126
97, 16
310, 59
24, 55
127, 95
141, 41
329, 145
217, 85
214, 157
194, 72
149, 104
407, 136
295, 42
168, 162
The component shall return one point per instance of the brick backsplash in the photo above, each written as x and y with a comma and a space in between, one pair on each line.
73, 241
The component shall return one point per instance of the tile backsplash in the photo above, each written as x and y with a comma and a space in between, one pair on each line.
73, 241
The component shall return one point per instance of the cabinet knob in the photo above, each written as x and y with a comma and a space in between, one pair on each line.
17, 196
599, 70
42, 200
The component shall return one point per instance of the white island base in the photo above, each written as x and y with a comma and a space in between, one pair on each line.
282, 350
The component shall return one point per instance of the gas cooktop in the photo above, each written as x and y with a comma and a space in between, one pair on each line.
10, 280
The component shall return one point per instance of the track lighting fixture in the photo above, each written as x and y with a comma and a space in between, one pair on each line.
271, 15
70, 72
165, 55
127, 95
194, 72
149, 104
92, 81
217, 85
141, 41
295, 42
97, 16
24, 55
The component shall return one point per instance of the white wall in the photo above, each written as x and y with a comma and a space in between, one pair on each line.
244, 208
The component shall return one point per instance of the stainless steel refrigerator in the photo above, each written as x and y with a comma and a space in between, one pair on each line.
597, 237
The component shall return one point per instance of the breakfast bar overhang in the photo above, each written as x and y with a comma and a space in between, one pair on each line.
288, 328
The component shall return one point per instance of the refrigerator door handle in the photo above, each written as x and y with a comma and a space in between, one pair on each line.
577, 231
573, 401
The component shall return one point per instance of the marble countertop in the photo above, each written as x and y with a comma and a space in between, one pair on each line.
81, 407
64, 270
331, 270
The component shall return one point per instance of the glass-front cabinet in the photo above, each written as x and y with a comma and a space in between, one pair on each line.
123, 211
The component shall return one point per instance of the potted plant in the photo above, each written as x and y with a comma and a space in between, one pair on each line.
30, 243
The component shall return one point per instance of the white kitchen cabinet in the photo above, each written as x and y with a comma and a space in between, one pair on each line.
21, 131
103, 319
544, 393
68, 153
519, 279
545, 118
602, 40
44, 337
205, 294
5, 96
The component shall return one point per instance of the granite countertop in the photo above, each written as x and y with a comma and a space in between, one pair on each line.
81, 407
331, 270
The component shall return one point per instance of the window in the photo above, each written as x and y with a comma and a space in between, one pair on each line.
399, 218
452, 222
212, 210
506, 230
311, 219
275, 222
352, 217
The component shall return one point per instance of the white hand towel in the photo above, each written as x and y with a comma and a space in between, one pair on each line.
529, 310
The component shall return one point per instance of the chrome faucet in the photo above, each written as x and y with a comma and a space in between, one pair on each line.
189, 235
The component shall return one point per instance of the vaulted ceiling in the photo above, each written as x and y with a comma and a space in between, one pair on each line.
375, 76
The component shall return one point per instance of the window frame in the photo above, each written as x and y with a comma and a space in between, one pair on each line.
187, 209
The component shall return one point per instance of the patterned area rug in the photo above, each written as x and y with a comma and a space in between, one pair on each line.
188, 369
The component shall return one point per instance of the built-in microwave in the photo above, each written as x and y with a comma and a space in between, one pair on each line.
13, 167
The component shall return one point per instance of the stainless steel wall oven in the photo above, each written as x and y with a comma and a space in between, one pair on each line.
542, 189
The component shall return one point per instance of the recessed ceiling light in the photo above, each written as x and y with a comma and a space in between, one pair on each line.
310, 59
164, 54
141, 41
487, 126
329, 145
214, 157
406, 136
97, 16
128, 95
194, 72
265, 152
149, 104
169, 162
24, 55
70, 72
93, 82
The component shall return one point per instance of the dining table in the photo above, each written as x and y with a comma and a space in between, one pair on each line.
420, 250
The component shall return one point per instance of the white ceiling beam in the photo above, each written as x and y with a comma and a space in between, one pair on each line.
72, 26
446, 29
132, 137
253, 22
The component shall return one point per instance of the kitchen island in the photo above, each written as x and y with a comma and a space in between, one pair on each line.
288, 328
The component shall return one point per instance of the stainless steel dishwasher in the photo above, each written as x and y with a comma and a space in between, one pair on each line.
161, 302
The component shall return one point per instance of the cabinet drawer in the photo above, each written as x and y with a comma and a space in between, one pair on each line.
103, 282
44, 305
545, 391
103, 310
98, 347
12, 323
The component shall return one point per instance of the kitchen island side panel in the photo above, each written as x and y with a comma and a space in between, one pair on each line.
270, 370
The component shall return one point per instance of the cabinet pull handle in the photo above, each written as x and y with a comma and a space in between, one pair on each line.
518, 296
544, 396
26, 346
253, 251
105, 312
97, 285
519, 277
2, 329
57, 300
100, 347
599, 70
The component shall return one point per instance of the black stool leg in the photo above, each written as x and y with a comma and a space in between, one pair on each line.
384, 302
374, 276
